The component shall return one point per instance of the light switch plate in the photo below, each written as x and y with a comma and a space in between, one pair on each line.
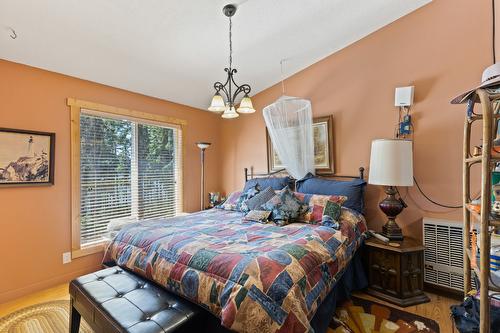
66, 257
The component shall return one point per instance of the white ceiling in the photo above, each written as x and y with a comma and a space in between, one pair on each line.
175, 49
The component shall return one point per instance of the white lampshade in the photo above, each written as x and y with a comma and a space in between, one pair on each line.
391, 163
246, 105
217, 104
230, 113
203, 145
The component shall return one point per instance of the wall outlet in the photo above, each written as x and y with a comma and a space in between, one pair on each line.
66, 257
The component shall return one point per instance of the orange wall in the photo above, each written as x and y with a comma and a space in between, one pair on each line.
441, 48
35, 221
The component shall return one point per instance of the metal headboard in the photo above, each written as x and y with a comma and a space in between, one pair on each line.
253, 175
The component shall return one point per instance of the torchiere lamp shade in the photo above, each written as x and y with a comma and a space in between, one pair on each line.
203, 145
391, 163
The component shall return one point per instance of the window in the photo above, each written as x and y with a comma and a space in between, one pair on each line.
128, 168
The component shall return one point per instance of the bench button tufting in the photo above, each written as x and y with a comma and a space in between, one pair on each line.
119, 295
100, 278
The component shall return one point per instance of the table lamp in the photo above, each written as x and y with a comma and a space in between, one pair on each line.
391, 165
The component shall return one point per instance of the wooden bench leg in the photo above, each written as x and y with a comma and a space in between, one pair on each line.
74, 319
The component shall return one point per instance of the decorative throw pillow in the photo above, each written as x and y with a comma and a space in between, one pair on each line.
316, 205
248, 194
331, 215
261, 216
231, 201
284, 206
258, 200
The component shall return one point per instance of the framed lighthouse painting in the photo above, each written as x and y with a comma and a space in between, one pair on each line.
26, 157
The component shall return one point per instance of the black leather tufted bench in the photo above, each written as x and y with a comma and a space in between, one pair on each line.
115, 300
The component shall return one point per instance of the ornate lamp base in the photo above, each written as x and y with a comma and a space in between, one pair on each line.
391, 206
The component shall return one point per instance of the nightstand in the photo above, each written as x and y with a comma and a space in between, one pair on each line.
395, 274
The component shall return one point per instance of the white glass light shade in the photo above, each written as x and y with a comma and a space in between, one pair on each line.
391, 163
230, 113
217, 104
246, 105
203, 145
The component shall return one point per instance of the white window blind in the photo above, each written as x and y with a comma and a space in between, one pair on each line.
128, 169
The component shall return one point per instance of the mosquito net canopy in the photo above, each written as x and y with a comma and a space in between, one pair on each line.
289, 122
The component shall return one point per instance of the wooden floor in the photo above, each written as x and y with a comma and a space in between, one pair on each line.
438, 308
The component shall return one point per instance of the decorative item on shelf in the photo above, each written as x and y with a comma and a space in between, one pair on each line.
26, 158
231, 93
203, 146
391, 165
495, 205
214, 199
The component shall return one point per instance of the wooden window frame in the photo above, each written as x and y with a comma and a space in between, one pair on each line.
76, 107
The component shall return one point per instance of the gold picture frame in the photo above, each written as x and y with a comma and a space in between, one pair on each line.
323, 148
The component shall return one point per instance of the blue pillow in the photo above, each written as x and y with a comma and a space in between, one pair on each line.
276, 183
354, 189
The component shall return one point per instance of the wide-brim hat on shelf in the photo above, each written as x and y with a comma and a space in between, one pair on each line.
491, 77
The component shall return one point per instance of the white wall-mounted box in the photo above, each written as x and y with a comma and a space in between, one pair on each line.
404, 96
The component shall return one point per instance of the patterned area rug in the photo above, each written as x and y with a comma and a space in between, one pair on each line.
362, 316
50, 317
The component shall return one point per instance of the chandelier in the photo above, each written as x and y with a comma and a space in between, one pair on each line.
229, 88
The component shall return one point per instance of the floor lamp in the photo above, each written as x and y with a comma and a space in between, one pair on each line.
203, 146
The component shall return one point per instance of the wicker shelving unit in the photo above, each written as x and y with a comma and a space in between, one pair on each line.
489, 116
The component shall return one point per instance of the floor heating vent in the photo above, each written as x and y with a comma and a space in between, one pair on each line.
443, 256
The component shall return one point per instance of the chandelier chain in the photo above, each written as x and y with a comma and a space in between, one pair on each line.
282, 77
230, 43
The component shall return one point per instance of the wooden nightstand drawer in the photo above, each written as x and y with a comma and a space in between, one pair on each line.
395, 274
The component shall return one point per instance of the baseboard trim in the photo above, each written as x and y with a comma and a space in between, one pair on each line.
38, 286
441, 290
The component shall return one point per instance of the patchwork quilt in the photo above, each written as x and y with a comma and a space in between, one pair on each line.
255, 277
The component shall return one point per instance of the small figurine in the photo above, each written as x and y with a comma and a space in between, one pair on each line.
495, 205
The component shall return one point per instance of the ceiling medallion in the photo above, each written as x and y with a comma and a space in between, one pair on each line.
230, 89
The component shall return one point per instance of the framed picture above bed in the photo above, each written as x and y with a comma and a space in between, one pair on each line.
26, 157
323, 148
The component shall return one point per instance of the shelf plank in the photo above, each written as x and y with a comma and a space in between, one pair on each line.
478, 159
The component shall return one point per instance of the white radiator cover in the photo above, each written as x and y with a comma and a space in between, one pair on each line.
443, 256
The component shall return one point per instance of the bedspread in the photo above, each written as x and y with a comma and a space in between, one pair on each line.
255, 277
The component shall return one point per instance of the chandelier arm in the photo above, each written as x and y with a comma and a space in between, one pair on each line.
243, 88
218, 86
237, 90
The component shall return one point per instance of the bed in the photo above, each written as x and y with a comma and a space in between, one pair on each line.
253, 277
